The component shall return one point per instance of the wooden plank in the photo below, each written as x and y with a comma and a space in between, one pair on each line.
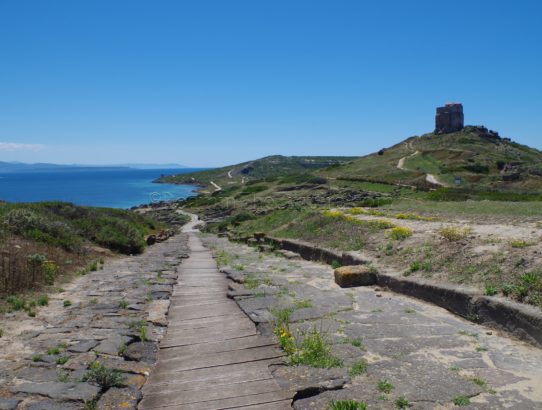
208, 373
192, 324
194, 312
218, 322
254, 400
217, 393
216, 346
241, 323
217, 359
224, 380
197, 339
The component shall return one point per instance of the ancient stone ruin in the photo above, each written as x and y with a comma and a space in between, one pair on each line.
449, 118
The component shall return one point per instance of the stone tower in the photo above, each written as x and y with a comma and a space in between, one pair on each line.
449, 118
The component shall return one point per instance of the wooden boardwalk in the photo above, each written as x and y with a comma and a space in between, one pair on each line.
212, 357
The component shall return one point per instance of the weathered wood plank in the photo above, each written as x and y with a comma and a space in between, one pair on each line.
256, 401
212, 356
216, 346
218, 359
237, 390
209, 373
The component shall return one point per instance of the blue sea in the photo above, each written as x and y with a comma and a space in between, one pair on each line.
103, 187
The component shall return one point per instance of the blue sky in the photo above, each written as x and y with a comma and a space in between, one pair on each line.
207, 83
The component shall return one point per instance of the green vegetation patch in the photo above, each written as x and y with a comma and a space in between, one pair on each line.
68, 226
347, 405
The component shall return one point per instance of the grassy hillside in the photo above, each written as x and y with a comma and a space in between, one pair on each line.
40, 241
272, 166
482, 159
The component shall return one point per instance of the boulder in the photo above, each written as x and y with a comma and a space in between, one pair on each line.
355, 275
259, 236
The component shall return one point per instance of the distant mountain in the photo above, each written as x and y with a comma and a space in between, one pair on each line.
23, 167
267, 167
153, 166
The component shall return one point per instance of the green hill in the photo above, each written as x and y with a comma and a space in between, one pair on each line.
267, 167
482, 159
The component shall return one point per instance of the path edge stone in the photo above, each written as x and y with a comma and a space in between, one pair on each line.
519, 320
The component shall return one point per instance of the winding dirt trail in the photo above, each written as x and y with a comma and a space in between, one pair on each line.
432, 179
216, 186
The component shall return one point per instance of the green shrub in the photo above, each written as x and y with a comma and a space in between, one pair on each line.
399, 233
384, 386
37, 358
477, 168
490, 290
50, 270
359, 367
461, 401
104, 376
415, 266
142, 333
507, 289
16, 303
402, 403
519, 243
67, 303
314, 350
347, 405
62, 360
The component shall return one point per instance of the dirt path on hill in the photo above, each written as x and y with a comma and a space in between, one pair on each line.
432, 179
216, 186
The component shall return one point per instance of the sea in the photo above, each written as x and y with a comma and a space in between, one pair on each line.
93, 186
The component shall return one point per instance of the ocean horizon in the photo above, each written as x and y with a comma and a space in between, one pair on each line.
102, 187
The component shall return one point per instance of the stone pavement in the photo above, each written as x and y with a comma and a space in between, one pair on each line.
417, 355
111, 319
212, 356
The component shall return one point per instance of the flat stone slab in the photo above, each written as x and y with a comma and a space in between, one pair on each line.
9, 404
119, 398
56, 390
83, 346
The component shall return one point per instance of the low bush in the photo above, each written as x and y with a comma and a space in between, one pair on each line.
103, 376
455, 233
400, 233
358, 368
314, 350
384, 386
519, 243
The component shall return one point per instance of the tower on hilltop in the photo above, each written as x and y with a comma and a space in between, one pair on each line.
449, 118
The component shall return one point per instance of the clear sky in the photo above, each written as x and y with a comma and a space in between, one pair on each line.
206, 83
